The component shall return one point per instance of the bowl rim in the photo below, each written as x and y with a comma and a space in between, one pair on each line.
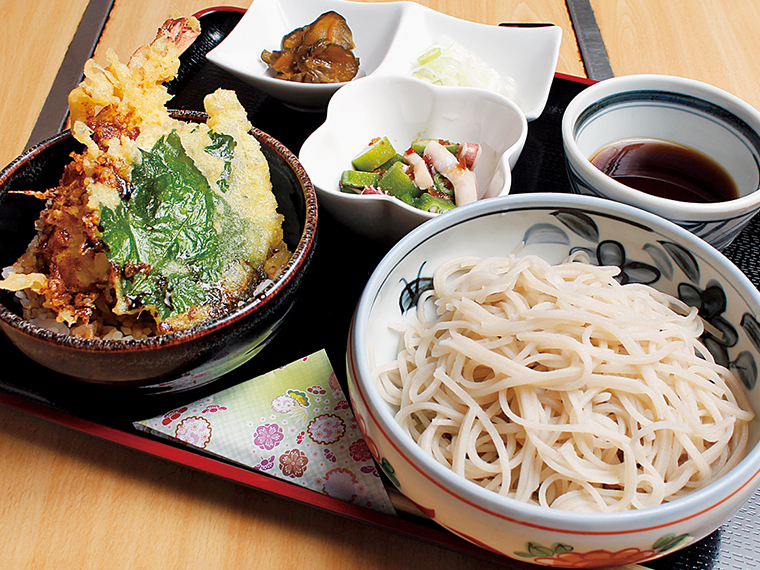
298, 259
590, 96
505, 508
336, 107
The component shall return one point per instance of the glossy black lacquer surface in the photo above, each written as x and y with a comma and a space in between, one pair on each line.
340, 268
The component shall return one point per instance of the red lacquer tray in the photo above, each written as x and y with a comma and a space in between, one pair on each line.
320, 319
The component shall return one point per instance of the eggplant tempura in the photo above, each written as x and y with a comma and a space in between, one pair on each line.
158, 224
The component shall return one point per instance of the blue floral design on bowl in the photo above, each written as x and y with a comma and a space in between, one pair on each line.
656, 260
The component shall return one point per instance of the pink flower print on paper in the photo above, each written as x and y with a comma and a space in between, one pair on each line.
212, 408
341, 483
316, 389
370, 470
342, 405
359, 451
294, 403
333, 382
266, 464
326, 429
283, 404
330, 456
293, 463
268, 436
173, 415
195, 431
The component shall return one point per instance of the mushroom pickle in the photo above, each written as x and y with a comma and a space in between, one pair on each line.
321, 52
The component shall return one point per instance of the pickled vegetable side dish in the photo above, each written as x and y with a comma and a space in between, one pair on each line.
452, 64
434, 175
321, 52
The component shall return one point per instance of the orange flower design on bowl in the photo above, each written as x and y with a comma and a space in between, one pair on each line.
596, 558
560, 555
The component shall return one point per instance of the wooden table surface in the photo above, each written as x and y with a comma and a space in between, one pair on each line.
71, 500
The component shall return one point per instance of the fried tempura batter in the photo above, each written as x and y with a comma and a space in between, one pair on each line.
118, 112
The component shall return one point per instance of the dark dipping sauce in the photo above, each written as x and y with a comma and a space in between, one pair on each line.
666, 169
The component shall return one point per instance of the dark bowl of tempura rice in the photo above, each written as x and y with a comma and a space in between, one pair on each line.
151, 248
561, 379
128, 351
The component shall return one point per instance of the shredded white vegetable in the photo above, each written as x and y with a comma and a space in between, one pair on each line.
451, 64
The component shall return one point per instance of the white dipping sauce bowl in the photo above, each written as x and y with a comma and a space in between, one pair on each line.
684, 111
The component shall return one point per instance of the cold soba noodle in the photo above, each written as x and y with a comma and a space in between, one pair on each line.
556, 385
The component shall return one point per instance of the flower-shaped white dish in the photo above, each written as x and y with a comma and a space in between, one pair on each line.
388, 37
404, 109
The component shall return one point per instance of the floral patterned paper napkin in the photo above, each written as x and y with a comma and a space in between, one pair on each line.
293, 423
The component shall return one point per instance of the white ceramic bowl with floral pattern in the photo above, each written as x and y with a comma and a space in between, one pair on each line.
647, 249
